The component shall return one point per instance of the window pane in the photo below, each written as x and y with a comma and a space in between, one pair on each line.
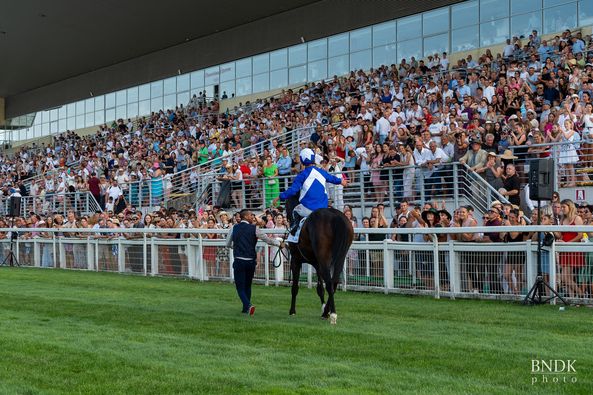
278, 79
384, 33
196, 79
360, 39
550, 3
53, 127
53, 114
261, 63
436, 44
338, 65
61, 114
317, 70
278, 59
89, 105
100, 103
261, 82
120, 98
133, 94
436, 21
211, 76
560, 18
360, 60
297, 55
243, 67
227, 87
132, 110
45, 127
89, 120
525, 23
494, 32
585, 13
170, 86
464, 39
144, 107
99, 117
227, 71
243, 86
182, 99
384, 55
72, 123
169, 102
120, 112
407, 49
464, 14
337, 45
144, 92
109, 116
523, 6
409, 27
79, 123
156, 104
317, 50
297, 75
62, 123
156, 89
493, 9
182, 83
79, 109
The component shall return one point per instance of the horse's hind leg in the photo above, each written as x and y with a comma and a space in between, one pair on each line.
331, 307
321, 294
296, 272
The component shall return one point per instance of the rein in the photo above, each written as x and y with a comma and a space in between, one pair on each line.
282, 253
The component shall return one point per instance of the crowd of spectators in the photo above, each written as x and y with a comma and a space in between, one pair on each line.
394, 129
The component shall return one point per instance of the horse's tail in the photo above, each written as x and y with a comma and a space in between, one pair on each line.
340, 245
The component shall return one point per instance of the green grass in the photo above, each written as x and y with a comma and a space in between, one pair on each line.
79, 332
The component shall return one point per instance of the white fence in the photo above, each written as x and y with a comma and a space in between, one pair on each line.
442, 269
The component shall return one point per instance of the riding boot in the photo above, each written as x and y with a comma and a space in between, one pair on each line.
296, 219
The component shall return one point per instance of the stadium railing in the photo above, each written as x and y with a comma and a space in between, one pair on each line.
454, 183
83, 203
431, 264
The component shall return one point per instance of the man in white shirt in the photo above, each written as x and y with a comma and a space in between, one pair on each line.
508, 49
438, 169
114, 191
489, 91
422, 158
383, 126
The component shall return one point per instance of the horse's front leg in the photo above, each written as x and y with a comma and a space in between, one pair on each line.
296, 273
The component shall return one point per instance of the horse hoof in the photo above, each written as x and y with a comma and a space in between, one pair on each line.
324, 317
292, 313
333, 318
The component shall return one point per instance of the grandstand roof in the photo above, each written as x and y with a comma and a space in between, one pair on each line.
58, 51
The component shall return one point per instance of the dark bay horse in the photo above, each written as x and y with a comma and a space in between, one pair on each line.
324, 241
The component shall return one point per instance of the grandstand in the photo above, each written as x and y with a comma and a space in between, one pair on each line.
441, 111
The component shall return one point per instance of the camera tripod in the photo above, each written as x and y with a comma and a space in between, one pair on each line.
10, 259
537, 293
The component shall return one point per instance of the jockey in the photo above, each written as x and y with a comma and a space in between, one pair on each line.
309, 184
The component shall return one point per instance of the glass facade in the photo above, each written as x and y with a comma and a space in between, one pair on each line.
459, 27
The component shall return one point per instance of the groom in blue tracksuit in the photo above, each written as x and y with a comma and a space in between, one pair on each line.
309, 184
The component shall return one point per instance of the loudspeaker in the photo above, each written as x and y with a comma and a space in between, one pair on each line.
14, 206
541, 179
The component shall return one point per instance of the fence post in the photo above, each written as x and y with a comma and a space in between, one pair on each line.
553, 281
96, 263
387, 267
309, 276
144, 254
62, 254
121, 264
154, 262
203, 272
36, 254
90, 252
190, 253
455, 185
436, 267
454, 278
529, 262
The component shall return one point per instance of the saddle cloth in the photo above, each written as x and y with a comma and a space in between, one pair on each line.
295, 238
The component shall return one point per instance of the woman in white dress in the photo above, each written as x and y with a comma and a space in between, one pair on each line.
568, 153
407, 159
587, 144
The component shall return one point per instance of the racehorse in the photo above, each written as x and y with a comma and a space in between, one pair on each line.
323, 243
